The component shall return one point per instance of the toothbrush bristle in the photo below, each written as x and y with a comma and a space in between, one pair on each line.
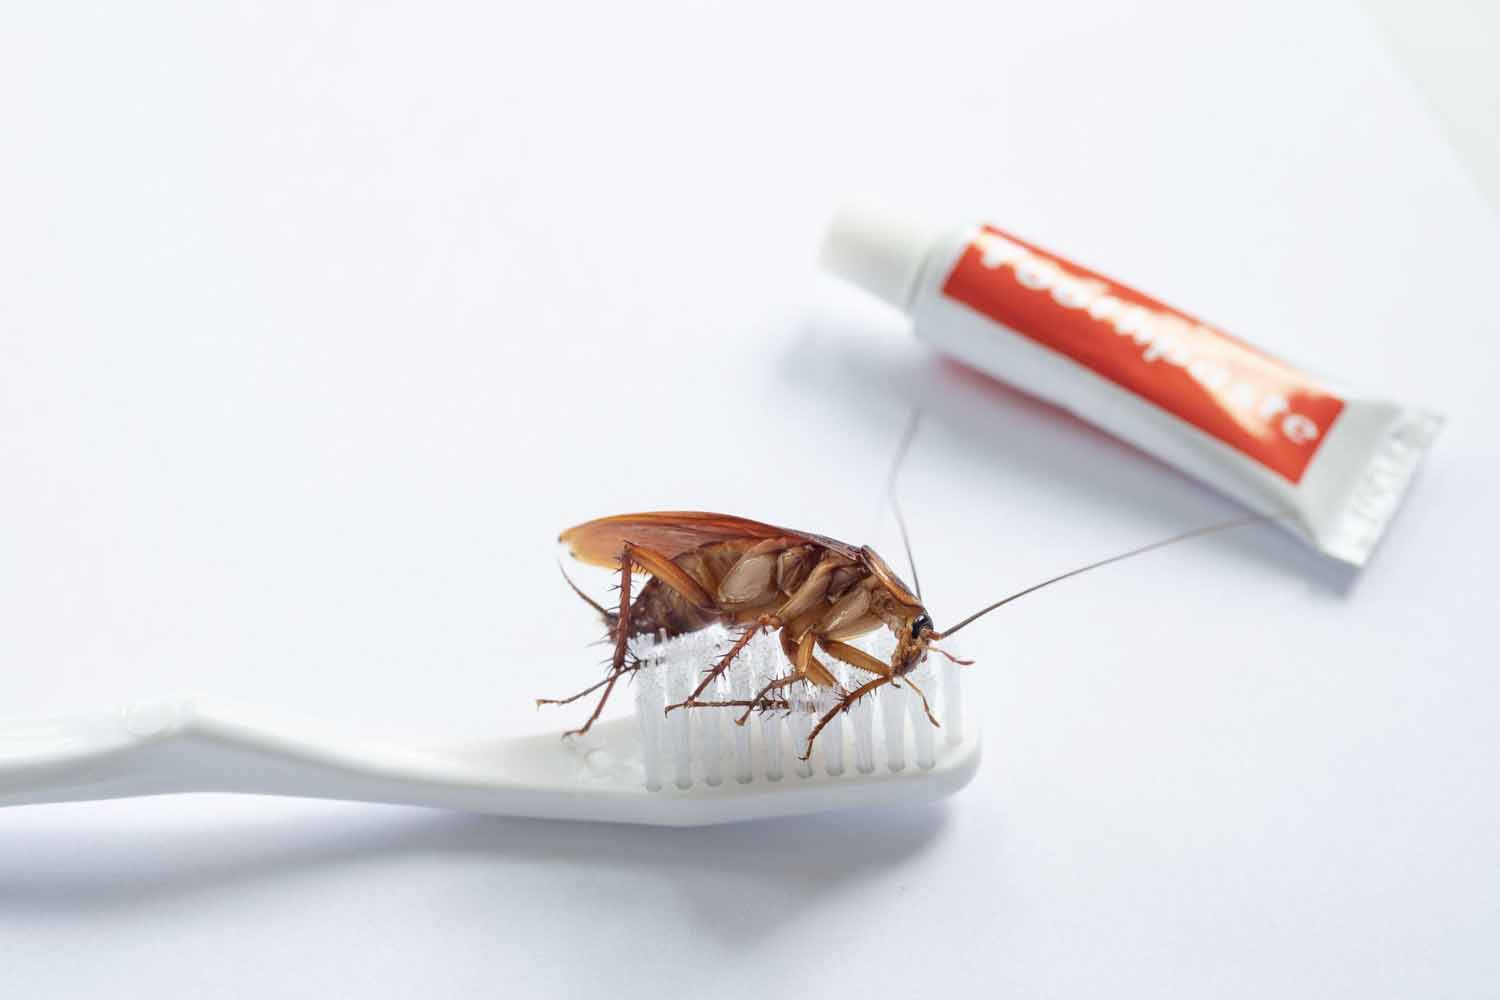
700, 745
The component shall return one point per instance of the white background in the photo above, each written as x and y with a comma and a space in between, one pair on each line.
317, 326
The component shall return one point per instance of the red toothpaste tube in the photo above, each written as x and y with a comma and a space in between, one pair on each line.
1336, 463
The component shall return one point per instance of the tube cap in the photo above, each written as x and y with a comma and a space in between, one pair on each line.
880, 250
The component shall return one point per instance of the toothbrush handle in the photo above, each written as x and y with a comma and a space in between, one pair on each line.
187, 745
109, 756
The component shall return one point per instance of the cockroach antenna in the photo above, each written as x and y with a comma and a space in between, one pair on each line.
890, 493
1238, 522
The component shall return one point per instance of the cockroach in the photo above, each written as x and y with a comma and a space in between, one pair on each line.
814, 592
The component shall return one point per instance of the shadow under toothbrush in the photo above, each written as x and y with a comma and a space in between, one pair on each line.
1001, 432
763, 869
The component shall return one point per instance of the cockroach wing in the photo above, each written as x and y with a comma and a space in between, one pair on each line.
673, 532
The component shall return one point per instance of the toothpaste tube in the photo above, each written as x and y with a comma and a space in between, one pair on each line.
1333, 463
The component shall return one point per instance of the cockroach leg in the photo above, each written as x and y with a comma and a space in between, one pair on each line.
763, 622
663, 569
608, 680
809, 667
768, 704
622, 642
805, 667
961, 663
572, 698
622, 620
843, 706
855, 657
756, 701
609, 686
925, 707
670, 574
605, 613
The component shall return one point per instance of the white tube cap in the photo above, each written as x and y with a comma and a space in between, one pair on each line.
880, 250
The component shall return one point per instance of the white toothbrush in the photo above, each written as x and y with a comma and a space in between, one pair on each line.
690, 768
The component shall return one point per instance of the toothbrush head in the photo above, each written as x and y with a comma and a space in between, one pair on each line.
714, 762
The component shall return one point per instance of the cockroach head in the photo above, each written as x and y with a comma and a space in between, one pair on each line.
912, 642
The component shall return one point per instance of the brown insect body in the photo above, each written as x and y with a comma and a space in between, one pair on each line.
815, 592
706, 569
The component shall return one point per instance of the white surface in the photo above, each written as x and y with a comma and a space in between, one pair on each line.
1448, 49
317, 326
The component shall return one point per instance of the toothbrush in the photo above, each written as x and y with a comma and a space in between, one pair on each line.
687, 768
